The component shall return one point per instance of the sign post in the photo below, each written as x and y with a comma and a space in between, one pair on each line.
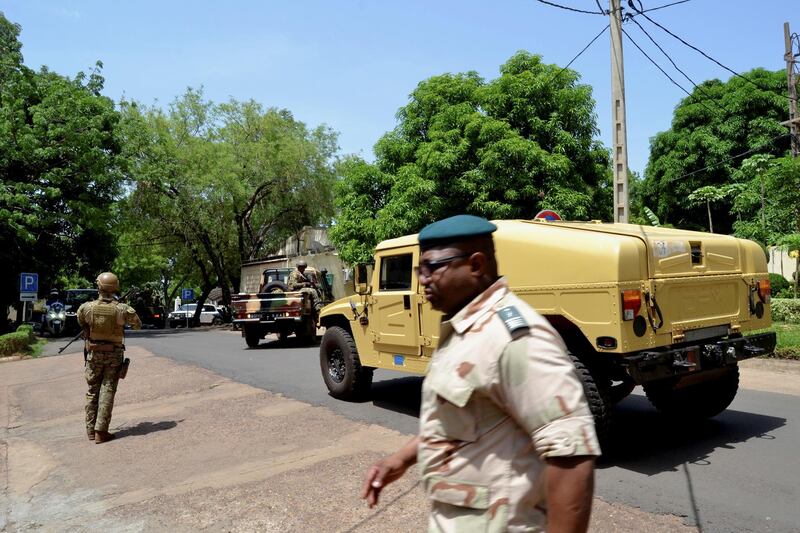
186, 295
28, 289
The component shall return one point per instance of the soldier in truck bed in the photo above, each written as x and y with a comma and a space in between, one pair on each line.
298, 281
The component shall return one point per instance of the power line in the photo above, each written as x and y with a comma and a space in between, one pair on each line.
731, 158
708, 96
666, 5
664, 72
570, 8
578, 55
642, 13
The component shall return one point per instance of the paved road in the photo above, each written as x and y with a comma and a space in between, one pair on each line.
737, 472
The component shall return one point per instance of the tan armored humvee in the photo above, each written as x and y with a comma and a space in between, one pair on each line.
663, 308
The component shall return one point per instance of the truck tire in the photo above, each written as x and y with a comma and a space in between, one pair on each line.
252, 336
275, 286
596, 388
341, 367
307, 332
695, 402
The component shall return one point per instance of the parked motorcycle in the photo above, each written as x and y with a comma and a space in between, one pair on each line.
55, 319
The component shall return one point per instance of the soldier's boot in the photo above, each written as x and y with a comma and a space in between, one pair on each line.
103, 436
90, 433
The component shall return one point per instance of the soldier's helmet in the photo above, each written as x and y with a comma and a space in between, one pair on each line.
302, 264
108, 282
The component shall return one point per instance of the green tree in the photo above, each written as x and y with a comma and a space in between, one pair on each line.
500, 149
707, 195
222, 183
711, 129
767, 200
60, 168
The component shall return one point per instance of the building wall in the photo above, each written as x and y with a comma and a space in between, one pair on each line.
310, 245
781, 263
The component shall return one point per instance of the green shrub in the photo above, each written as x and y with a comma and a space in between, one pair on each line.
16, 342
27, 328
786, 310
778, 283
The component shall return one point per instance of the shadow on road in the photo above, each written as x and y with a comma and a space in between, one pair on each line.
644, 441
155, 333
144, 428
273, 343
401, 395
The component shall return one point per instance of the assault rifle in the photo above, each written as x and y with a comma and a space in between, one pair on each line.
76, 337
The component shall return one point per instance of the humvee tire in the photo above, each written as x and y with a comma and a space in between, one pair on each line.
597, 395
252, 336
341, 367
695, 402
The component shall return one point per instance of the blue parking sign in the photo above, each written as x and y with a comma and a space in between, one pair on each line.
28, 282
187, 294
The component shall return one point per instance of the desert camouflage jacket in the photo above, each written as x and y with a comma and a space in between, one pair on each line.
501, 395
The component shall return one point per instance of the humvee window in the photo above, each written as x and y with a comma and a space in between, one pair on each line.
396, 273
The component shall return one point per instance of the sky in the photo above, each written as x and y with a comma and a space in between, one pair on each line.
351, 64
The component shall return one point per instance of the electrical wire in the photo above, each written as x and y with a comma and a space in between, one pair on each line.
571, 61
665, 5
570, 8
700, 89
731, 158
641, 12
664, 72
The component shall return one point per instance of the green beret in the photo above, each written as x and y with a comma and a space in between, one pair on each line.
455, 229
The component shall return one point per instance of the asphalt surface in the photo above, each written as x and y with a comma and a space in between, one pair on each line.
736, 472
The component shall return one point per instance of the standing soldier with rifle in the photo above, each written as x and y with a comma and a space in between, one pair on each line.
103, 323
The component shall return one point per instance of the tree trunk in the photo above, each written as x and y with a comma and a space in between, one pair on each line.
710, 224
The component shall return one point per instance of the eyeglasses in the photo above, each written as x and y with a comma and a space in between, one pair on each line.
427, 268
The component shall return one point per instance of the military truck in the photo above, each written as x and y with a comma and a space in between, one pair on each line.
276, 309
636, 305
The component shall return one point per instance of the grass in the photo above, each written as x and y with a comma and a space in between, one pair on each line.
35, 349
788, 341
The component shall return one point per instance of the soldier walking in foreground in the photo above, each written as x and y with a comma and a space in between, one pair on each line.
103, 322
506, 440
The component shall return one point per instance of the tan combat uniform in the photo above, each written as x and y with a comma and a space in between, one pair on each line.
501, 395
105, 320
300, 282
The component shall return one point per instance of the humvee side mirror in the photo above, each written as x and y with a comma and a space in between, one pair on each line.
361, 279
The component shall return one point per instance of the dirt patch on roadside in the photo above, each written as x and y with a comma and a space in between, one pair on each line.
771, 375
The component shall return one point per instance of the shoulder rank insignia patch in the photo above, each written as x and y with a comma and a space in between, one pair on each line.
513, 320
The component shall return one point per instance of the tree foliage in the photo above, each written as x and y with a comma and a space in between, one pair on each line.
767, 200
60, 167
500, 149
217, 184
711, 129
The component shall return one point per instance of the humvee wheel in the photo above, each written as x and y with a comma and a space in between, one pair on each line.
341, 367
695, 402
252, 336
596, 388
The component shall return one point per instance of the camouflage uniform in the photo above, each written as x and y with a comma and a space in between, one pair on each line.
501, 395
104, 359
300, 282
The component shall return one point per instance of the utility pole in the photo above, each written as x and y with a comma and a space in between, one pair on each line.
619, 131
794, 121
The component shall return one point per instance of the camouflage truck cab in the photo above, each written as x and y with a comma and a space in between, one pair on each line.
662, 308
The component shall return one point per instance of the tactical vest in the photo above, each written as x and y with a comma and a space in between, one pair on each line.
106, 322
